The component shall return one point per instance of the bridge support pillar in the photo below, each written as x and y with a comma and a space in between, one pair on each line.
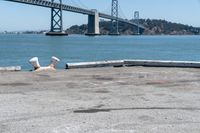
93, 24
56, 21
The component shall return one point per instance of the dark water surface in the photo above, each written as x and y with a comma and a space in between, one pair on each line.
18, 49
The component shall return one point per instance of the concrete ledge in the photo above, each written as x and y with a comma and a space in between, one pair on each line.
11, 68
117, 63
159, 63
129, 63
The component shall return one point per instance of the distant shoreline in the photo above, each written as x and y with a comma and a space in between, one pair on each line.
102, 34
153, 27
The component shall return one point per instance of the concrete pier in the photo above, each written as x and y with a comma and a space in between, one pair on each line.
101, 100
93, 24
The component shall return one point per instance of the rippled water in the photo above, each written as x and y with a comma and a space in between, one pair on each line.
18, 49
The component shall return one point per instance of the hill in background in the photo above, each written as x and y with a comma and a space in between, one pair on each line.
153, 27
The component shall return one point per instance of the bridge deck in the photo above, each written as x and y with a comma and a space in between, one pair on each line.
48, 4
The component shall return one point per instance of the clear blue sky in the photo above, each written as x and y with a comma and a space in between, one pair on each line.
16, 17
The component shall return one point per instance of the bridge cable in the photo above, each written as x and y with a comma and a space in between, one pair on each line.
83, 5
121, 13
72, 3
76, 3
107, 10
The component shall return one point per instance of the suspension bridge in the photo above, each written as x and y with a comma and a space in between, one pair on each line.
57, 7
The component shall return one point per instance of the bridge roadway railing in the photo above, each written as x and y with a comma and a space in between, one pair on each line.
49, 4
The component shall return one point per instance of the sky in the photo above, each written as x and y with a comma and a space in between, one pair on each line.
20, 17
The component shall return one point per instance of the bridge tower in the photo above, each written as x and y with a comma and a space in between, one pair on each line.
56, 21
137, 21
93, 24
114, 29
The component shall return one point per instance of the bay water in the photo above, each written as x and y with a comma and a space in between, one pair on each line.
18, 49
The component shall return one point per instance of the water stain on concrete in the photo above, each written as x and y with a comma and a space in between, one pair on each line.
95, 110
15, 84
124, 127
163, 83
44, 75
11, 92
189, 81
139, 95
170, 85
99, 106
3, 128
157, 82
102, 91
160, 94
92, 110
71, 85
144, 99
145, 118
26, 117
102, 78
125, 83
141, 76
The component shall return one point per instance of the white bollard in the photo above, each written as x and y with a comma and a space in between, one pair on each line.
34, 62
54, 61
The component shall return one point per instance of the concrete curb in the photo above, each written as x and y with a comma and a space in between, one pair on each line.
11, 68
160, 63
117, 63
129, 63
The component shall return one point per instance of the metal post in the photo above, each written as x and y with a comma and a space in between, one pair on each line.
114, 30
